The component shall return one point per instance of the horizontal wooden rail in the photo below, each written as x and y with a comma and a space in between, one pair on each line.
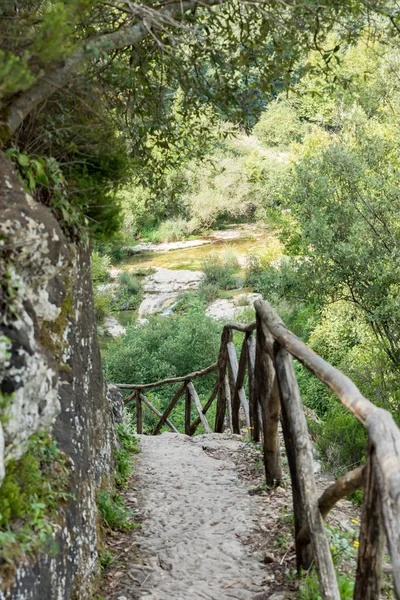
147, 386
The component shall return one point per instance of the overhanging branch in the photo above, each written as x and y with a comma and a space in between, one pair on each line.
131, 35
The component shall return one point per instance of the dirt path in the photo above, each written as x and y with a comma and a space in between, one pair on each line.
198, 516
209, 531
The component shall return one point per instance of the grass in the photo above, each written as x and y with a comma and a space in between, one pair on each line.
113, 511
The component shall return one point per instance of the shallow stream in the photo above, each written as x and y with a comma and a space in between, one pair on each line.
239, 241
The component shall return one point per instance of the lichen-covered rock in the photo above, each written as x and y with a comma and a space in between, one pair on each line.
116, 401
50, 374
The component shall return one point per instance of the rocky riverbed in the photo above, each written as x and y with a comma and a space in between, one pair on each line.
176, 270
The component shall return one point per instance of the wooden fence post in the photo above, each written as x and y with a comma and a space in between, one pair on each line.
188, 410
139, 415
268, 397
305, 498
195, 397
237, 372
253, 402
222, 364
372, 537
168, 410
207, 405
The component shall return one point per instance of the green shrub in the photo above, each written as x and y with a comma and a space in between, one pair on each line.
172, 230
342, 440
34, 488
166, 347
219, 271
279, 125
209, 292
128, 294
102, 304
113, 511
100, 267
123, 455
309, 587
106, 559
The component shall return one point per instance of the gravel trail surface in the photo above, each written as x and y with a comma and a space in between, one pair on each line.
197, 514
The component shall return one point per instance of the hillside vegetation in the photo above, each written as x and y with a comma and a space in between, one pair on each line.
321, 171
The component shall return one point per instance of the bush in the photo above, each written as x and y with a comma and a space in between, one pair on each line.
209, 292
166, 347
113, 511
172, 230
279, 125
219, 271
34, 488
102, 304
100, 267
128, 294
342, 440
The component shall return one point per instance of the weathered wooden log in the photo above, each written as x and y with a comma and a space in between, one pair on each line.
382, 430
268, 397
222, 364
372, 537
167, 411
305, 499
188, 410
207, 405
156, 411
233, 402
341, 385
228, 394
343, 486
189, 377
253, 402
139, 414
241, 326
199, 408
384, 435
238, 373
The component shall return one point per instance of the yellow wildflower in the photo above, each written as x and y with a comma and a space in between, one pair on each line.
355, 521
356, 544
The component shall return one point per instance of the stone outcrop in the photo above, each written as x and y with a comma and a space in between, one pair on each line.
163, 287
230, 309
51, 378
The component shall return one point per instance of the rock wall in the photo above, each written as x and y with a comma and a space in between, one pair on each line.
50, 373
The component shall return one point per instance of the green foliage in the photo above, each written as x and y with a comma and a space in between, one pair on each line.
309, 587
113, 512
34, 489
342, 440
128, 446
100, 267
219, 270
102, 304
128, 294
106, 559
171, 230
343, 546
127, 437
279, 125
166, 347
42, 177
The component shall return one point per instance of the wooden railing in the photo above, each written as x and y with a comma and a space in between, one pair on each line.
273, 397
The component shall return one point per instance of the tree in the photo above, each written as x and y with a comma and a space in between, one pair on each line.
344, 229
55, 40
